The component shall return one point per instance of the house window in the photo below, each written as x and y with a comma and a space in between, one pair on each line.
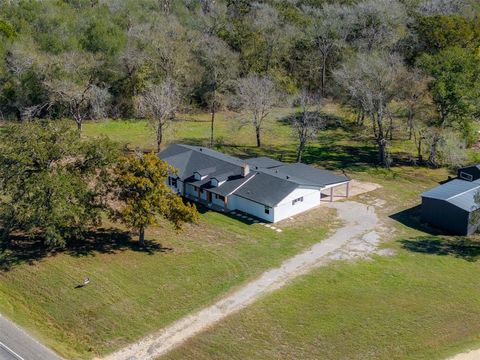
172, 181
221, 197
267, 210
300, 199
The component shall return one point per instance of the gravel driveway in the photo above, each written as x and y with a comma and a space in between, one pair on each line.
357, 237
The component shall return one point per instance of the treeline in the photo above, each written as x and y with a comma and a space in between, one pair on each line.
414, 59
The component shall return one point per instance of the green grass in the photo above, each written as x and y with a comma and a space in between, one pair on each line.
420, 304
194, 129
133, 292
409, 306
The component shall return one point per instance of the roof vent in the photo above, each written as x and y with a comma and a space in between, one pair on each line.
200, 149
288, 177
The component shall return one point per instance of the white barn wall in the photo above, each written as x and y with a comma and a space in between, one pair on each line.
285, 209
250, 207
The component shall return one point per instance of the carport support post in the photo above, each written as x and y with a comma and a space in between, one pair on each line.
348, 188
331, 194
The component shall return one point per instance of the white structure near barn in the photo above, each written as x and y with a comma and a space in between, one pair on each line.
262, 187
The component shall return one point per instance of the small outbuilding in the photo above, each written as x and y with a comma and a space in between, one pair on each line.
450, 206
469, 173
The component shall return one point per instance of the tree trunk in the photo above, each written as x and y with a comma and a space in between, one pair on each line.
390, 130
382, 152
419, 151
432, 158
211, 126
301, 148
380, 137
324, 72
257, 133
141, 237
410, 124
159, 136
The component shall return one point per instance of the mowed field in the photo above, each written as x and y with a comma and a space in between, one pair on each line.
421, 303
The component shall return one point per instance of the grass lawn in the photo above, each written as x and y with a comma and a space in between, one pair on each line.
134, 292
421, 303
410, 306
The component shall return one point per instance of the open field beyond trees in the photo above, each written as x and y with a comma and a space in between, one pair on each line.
420, 303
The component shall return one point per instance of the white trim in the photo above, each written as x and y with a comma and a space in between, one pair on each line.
335, 185
466, 176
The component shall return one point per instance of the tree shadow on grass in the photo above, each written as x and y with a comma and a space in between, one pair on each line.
29, 250
459, 246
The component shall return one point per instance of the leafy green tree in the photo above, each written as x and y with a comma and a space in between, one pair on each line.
140, 183
442, 31
52, 184
455, 90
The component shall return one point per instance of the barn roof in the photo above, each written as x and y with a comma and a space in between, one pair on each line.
457, 192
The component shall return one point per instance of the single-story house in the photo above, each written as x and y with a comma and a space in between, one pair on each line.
450, 206
262, 187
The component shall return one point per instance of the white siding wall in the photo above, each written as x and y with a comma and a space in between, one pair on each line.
217, 201
250, 207
285, 209
190, 190
178, 188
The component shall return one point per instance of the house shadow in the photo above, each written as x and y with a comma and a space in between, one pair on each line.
458, 246
18, 249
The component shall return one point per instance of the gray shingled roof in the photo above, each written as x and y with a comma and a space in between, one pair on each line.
263, 162
308, 175
268, 182
266, 189
457, 192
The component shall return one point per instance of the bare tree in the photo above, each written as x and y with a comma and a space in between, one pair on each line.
307, 122
372, 80
446, 7
329, 32
220, 66
73, 87
414, 93
256, 96
267, 21
377, 24
158, 104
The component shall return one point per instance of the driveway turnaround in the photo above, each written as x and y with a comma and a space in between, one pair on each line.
16, 344
356, 238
